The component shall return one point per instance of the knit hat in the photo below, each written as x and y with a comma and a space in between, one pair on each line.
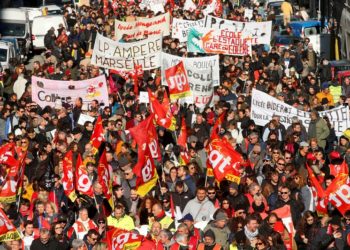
210, 234
233, 185
220, 215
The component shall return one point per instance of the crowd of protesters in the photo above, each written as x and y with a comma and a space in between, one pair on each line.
238, 216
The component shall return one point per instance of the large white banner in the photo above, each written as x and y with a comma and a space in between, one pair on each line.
123, 56
265, 106
45, 92
143, 27
203, 75
181, 27
154, 5
258, 32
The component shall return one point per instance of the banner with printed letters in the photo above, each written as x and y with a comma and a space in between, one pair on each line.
256, 32
124, 56
143, 27
180, 28
218, 41
45, 92
264, 106
202, 73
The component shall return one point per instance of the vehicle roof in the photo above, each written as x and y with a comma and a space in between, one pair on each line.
49, 17
13, 13
51, 7
5, 44
306, 24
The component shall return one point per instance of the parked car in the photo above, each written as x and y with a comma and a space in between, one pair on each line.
14, 23
7, 54
306, 28
41, 25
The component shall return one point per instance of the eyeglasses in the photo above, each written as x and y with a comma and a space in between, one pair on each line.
119, 124
94, 239
256, 153
284, 193
275, 152
23, 142
211, 193
281, 164
11, 139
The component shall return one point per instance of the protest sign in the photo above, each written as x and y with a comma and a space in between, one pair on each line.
264, 106
46, 92
85, 118
218, 41
190, 6
202, 72
257, 32
143, 27
181, 27
123, 56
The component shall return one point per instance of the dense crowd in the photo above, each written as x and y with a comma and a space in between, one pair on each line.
187, 208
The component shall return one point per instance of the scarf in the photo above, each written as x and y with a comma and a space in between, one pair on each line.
250, 235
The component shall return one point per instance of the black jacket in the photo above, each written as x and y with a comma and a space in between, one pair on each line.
52, 244
181, 200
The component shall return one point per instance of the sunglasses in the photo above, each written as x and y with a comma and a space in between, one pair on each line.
259, 244
281, 164
211, 193
101, 222
284, 193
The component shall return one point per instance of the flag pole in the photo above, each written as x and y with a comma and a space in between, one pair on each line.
121, 101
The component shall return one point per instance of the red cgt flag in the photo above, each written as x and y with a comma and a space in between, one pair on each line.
176, 78
315, 183
68, 177
338, 193
223, 159
105, 178
145, 171
163, 117
145, 132
8, 231
118, 239
82, 182
217, 125
97, 136
182, 139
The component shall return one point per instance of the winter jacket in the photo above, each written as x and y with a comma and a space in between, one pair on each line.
319, 129
200, 211
221, 234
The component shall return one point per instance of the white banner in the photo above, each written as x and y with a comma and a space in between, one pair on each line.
154, 5
203, 75
46, 92
258, 32
264, 106
123, 56
181, 27
143, 27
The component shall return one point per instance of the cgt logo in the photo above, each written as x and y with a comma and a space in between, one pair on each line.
341, 196
178, 81
119, 241
218, 161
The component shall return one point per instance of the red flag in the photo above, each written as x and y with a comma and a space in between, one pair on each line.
105, 178
7, 155
145, 171
112, 85
145, 132
172, 207
285, 215
118, 239
315, 183
339, 169
105, 7
8, 231
218, 124
82, 182
176, 78
338, 193
68, 177
166, 102
135, 74
223, 159
218, 8
163, 117
97, 136
182, 139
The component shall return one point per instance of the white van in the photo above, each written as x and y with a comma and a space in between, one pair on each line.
41, 25
7, 52
14, 23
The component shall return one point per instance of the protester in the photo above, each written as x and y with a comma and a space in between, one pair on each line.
257, 159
